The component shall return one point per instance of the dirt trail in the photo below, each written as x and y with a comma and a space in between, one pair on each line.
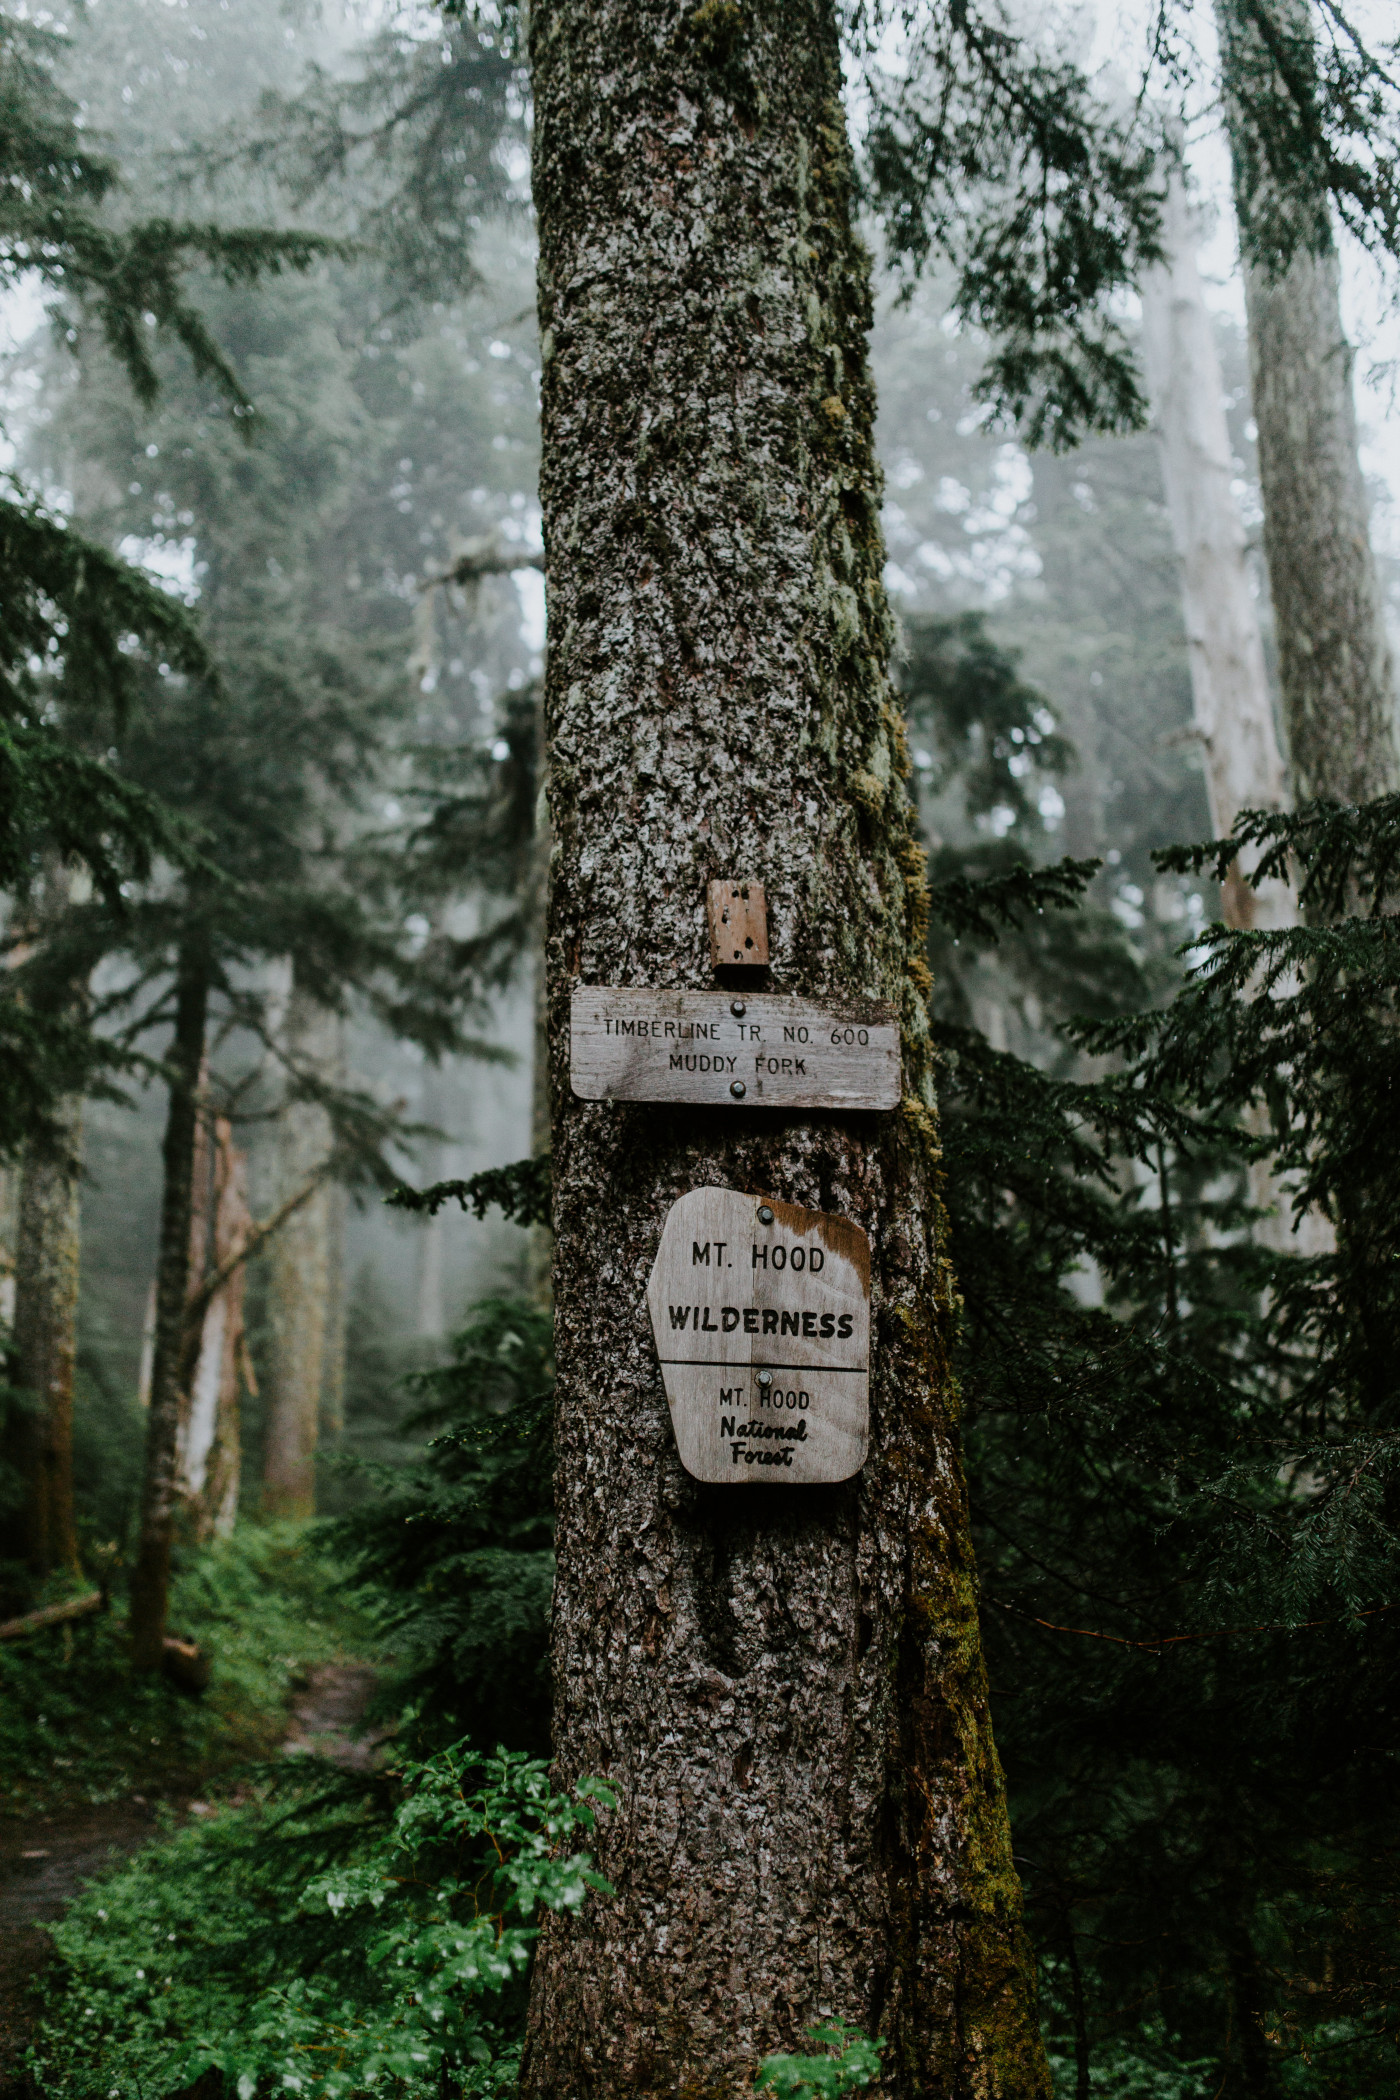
46, 1860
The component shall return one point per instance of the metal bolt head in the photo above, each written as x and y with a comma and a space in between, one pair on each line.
738, 1009
765, 1213
737, 1089
765, 1377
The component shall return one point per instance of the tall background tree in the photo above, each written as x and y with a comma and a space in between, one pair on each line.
1336, 670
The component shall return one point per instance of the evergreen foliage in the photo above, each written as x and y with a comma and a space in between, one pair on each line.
285, 761
993, 150
1182, 1453
455, 1550
78, 626
521, 1191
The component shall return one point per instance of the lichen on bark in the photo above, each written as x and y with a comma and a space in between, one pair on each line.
785, 1687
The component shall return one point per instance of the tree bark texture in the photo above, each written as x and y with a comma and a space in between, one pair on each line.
300, 1282
1335, 666
44, 1349
785, 1687
150, 1581
1234, 714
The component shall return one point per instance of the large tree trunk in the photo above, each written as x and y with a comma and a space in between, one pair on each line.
1233, 711
785, 1687
300, 1283
1335, 667
44, 1348
150, 1581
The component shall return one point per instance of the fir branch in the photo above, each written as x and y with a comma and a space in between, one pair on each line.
523, 1191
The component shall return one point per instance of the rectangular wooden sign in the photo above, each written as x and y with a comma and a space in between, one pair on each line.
761, 1315
733, 1049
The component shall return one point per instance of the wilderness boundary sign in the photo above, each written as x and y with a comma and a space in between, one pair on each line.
726, 1048
761, 1314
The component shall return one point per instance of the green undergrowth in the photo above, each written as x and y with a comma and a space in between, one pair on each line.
263, 1606
335, 1934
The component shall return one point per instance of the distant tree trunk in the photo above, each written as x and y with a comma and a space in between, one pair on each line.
300, 1282
785, 1688
44, 1346
541, 1121
210, 1454
150, 1582
430, 1319
1229, 684
1335, 666
333, 1387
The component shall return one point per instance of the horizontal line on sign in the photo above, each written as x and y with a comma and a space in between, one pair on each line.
713, 1363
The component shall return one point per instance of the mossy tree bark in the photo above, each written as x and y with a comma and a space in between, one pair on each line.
44, 1349
1335, 667
150, 1580
785, 1687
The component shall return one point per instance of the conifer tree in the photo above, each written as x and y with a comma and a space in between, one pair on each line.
73, 612
275, 766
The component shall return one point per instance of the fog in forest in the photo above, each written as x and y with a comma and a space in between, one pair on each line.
337, 1453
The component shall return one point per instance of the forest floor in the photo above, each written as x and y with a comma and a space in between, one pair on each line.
45, 1860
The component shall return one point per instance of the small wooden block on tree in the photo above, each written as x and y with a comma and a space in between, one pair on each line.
761, 1314
738, 917
732, 1050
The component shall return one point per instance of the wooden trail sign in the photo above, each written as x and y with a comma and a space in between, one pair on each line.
761, 1314
732, 1049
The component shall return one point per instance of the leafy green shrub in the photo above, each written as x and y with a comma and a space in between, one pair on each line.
848, 2063
370, 1933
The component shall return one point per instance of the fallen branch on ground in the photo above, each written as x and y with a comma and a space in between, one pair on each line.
52, 1615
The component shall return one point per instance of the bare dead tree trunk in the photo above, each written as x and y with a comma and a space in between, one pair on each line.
210, 1443
1335, 665
1234, 715
785, 1687
44, 1350
150, 1581
299, 1294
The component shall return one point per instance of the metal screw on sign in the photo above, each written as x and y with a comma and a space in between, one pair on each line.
765, 1214
737, 1089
